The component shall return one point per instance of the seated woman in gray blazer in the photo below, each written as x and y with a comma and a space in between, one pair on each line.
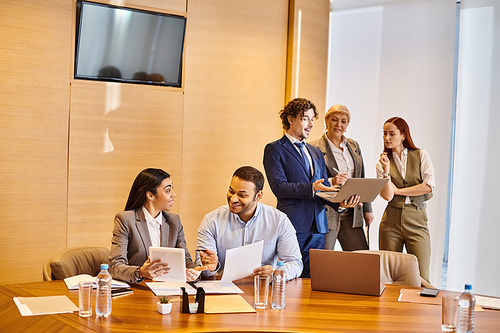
146, 222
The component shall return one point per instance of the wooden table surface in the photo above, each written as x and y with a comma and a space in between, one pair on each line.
306, 311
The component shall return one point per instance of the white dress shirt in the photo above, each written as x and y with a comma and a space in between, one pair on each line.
154, 225
345, 163
426, 168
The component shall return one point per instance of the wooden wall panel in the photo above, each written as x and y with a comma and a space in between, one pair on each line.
34, 99
234, 88
173, 6
308, 55
71, 149
116, 131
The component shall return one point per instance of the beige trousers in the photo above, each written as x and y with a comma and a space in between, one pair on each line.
407, 226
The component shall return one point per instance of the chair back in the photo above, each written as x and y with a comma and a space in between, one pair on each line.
73, 261
398, 268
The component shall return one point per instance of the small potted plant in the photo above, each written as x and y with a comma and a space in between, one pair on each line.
164, 306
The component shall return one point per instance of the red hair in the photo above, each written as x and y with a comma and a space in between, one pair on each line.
403, 127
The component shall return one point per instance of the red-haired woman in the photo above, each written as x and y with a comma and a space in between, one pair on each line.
412, 182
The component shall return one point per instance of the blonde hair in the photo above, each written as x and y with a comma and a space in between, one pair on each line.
338, 108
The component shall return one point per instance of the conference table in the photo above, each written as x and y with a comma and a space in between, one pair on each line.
306, 311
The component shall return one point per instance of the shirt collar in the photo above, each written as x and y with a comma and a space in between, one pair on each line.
154, 222
292, 139
403, 153
254, 217
343, 144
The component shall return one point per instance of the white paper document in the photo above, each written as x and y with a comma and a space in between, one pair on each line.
219, 287
210, 287
488, 302
241, 261
32, 306
176, 260
73, 281
167, 288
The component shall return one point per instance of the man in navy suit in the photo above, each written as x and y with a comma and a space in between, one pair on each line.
296, 170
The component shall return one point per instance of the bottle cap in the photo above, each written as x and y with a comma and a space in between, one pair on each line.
468, 286
279, 263
104, 266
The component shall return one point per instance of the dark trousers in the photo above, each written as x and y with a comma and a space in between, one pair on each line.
309, 240
350, 238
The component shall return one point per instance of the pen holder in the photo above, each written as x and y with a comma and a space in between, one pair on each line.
199, 301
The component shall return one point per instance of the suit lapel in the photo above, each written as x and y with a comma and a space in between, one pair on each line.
164, 230
315, 159
330, 161
356, 158
142, 228
291, 149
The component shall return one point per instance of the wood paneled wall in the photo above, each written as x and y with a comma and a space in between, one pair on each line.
70, 149
116, 130
235, 78
308, 55
35, 58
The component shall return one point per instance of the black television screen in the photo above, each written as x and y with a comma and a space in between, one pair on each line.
128, 45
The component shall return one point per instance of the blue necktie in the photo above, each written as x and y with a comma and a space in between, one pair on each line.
304, 156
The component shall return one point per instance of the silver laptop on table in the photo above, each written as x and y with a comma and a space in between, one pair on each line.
346, 272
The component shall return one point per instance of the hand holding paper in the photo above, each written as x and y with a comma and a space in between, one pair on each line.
241, 261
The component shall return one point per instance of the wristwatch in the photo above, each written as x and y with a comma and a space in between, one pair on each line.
137, 275
341, 209
386, 174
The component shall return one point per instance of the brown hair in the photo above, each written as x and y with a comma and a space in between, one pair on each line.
296, 107
403, 127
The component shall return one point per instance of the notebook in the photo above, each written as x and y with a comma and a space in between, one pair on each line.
346, 272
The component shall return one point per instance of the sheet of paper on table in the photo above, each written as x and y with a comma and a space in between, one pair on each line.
210, 287
413, 296
488, 302
32, 306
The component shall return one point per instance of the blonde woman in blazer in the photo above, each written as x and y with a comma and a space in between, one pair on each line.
343, 160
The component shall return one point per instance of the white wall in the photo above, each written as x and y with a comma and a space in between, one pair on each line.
474, 246
395, 58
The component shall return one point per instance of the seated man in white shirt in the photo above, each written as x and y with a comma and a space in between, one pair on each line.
244, 220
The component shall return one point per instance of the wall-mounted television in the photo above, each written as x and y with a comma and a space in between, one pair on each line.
121, 44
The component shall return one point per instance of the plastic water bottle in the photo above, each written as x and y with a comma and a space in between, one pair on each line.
467, 303
278, 291
103, 299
